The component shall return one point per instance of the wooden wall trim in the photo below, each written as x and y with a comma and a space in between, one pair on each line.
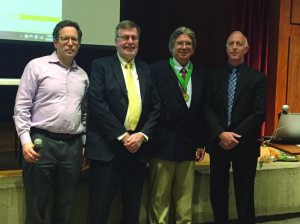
293, 93
282, 54
284, 62
295, 12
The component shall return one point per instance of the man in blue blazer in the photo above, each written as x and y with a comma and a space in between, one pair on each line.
123, 108
235, 111
180, 134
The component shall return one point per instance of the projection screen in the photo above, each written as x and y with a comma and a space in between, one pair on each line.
34, 20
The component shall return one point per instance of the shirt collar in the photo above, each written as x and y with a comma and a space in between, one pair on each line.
238, 68
178, 66
54, 59
123, 61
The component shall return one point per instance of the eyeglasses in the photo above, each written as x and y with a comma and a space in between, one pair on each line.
66, 39
127, 38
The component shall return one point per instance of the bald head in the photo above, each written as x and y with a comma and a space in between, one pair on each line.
236, 48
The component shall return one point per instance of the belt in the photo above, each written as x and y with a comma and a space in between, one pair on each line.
54, 135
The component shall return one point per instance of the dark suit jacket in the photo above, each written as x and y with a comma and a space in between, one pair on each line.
108, 103
248, 111
180, 129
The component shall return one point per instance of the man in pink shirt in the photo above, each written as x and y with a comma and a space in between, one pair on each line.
50, 107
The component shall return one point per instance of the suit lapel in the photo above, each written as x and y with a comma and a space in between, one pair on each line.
142, 79
224, 84
172, 82
241, 83
196, 89
117, 71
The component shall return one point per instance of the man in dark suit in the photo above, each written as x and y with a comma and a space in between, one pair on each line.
123, 108
234, 113
179, 135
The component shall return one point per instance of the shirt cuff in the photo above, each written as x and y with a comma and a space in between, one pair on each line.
145, 136
122, 136
25, 138
83, 139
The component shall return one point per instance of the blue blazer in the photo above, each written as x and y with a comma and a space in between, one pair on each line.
180, 130
248, 111
108, 104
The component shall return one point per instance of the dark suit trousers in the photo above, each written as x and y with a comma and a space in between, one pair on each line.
57, 170
125, 172
244, 170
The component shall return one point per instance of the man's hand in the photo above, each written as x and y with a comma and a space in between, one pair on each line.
133, 142
228, 140
125, 138
85, 164
200, 152
29, 154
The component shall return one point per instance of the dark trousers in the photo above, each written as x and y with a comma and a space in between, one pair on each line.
244, 170
58, 170
124, 172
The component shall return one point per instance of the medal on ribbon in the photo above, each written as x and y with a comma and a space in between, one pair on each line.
183, 82
186, 96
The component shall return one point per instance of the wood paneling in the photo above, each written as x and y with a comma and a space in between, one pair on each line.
295, 12
283, 60
277, 60
293, 90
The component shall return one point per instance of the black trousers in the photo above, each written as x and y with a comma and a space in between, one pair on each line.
125, 172
244, 170
58, 170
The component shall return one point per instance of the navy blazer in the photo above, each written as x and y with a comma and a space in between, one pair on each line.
180, 130
108, 104
248, 111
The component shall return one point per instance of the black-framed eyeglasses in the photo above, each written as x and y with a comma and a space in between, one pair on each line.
66, 39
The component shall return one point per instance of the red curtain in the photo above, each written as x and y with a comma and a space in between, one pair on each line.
250, 17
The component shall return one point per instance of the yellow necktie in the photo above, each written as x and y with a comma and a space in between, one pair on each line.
134, 105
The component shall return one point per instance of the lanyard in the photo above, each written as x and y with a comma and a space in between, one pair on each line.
183, 82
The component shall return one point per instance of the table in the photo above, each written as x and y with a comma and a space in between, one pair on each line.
288, 148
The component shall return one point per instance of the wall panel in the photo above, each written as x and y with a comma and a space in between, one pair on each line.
293, 90
295, 12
